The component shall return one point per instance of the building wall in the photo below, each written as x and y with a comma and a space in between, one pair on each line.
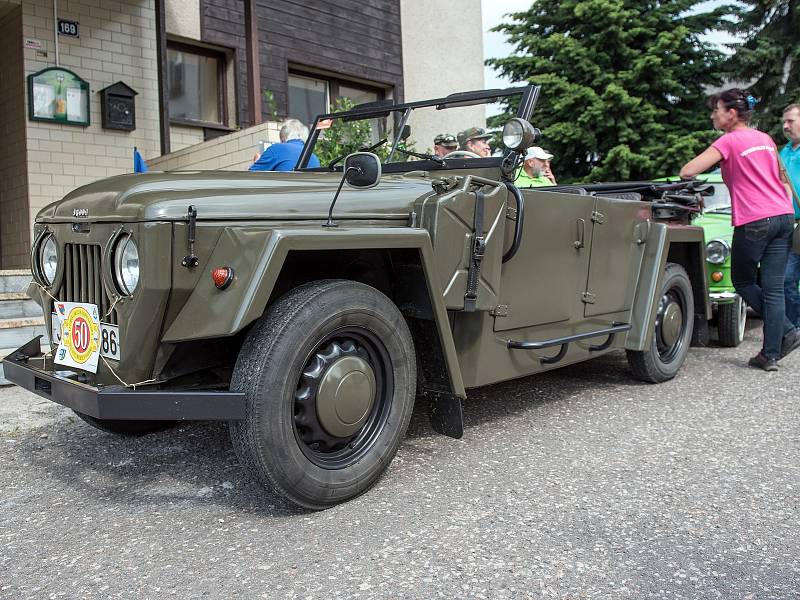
433, 70
183, 18
234, 152
117, 43
14, 230
358, 39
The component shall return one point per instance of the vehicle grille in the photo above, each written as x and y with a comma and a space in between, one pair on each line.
83, 280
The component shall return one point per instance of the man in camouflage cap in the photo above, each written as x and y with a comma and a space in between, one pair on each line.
475, 140
444, 144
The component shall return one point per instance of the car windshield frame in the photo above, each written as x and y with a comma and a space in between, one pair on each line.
528, 97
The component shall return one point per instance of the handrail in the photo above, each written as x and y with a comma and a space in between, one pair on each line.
518, 223
517, 345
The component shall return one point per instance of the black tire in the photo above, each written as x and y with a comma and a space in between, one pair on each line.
126, 428
285, 366
673, 330
731, 322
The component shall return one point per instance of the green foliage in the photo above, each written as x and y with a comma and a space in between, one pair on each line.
345, 137
623, 83
272, 104
769, 56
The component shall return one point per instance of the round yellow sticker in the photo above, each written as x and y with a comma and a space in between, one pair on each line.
80, 334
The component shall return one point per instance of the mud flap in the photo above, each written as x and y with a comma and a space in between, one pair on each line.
446, 415
700, 334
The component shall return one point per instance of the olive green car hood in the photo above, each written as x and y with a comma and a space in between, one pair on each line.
231, 195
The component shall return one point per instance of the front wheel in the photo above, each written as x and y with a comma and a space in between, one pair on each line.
329, 374
731, 322
673, 330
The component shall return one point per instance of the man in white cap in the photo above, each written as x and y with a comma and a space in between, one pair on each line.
535, 171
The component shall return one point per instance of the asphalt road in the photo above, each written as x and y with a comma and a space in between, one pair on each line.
580, 483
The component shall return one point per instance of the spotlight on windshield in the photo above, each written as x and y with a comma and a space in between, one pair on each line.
519, 135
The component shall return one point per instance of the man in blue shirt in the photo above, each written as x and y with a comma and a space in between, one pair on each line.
790, 154
284, 156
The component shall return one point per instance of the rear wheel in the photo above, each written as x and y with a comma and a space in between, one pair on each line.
329, 374
127, 428
673, 330
731, 321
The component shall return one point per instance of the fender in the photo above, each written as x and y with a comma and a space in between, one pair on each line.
257, 255
683, 244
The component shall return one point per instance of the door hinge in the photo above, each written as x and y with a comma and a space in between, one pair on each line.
587, 297
640, 232
598, 217
501, 310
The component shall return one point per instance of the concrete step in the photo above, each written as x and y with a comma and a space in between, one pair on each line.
17, 305
5, 352
14, 281
15, 332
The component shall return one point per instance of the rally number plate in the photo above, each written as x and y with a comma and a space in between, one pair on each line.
109, 337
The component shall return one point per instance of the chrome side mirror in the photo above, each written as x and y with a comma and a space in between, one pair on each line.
362, 170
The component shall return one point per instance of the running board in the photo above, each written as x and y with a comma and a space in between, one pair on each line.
565, 341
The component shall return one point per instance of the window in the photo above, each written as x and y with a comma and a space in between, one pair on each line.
307, 98
196, 84
311, 95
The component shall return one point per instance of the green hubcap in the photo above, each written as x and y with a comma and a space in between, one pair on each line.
346, 396
671, 323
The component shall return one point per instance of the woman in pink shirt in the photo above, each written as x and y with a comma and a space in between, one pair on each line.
762, 216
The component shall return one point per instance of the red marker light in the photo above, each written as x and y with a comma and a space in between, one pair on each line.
222, 276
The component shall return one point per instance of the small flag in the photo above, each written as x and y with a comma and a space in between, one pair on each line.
139, 166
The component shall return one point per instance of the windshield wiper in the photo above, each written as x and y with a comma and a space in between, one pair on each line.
435, 159
367, 149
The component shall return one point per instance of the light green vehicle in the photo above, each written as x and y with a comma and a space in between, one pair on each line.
311, 308
730, 310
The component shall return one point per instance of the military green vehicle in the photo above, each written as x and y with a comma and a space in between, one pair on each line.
310, 308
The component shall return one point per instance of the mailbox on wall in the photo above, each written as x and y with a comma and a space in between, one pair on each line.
119, 107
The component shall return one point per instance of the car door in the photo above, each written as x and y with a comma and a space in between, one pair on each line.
617, 246
544, 282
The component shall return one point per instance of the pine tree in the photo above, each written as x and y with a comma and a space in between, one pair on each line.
769, 57
623, 83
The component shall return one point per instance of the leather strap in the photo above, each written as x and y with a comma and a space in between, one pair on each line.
478, 251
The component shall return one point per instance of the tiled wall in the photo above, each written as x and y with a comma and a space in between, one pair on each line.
14, 230
232, 152
117, 43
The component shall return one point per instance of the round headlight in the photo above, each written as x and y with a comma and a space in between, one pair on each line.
717, 252
512, 134
48, 259
126, 264
518, 134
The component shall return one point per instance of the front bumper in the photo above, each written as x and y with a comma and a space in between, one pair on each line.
117, 402
722, 297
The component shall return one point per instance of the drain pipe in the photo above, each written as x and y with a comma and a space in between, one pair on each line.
55, 28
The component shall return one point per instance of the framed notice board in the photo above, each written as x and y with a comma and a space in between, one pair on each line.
59, 96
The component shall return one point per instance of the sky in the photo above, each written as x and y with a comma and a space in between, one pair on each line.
495, 45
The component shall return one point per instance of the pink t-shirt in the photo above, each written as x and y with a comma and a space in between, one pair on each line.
750, 170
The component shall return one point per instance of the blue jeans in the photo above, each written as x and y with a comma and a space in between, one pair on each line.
765, 242
790, 284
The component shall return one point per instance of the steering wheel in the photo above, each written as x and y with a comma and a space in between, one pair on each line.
461, 153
